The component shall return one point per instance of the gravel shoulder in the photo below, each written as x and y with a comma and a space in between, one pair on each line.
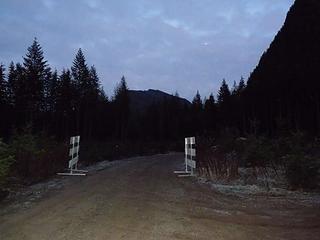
141, 198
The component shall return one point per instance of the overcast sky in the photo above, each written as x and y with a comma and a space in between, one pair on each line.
171, 45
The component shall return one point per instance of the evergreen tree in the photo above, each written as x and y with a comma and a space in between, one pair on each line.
224, 105
224, 93
18, 85
35, 72
3, 86
80, 73
233, 108
4, 106
81, 79
121, 100
64, 91
210, 103
197, 102
196, 114
12, 80
51, 91
241, 86
121, 92
102, 95
234, 88
65, 104
210, 115
94, 80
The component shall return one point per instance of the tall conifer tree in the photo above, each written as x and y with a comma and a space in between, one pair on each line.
224, 92
121, 99
3, 86
35, 71
80, 73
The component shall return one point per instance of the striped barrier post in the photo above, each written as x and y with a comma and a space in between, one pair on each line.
190, 158
73, 162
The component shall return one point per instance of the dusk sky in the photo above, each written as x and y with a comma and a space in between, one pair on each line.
170, 45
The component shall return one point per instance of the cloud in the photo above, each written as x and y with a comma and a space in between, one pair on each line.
172, 45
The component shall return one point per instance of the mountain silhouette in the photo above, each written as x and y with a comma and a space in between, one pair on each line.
284, 89
140, 100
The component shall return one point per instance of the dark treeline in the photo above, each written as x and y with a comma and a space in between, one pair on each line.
35, 96
72, 102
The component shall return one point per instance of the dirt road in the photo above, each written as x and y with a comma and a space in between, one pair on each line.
141, 198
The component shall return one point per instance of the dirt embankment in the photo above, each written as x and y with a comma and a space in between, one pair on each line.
141, 198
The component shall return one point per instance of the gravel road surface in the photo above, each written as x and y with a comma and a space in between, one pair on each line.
140, 198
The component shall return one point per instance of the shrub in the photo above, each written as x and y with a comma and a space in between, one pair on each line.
37, 157
6, 159
302, 171
294, 156
217, 161
299, 154
257, 152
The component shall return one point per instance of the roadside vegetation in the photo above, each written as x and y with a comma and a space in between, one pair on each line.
291, 161
6, 160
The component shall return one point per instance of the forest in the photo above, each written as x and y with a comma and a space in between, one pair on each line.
270, 120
